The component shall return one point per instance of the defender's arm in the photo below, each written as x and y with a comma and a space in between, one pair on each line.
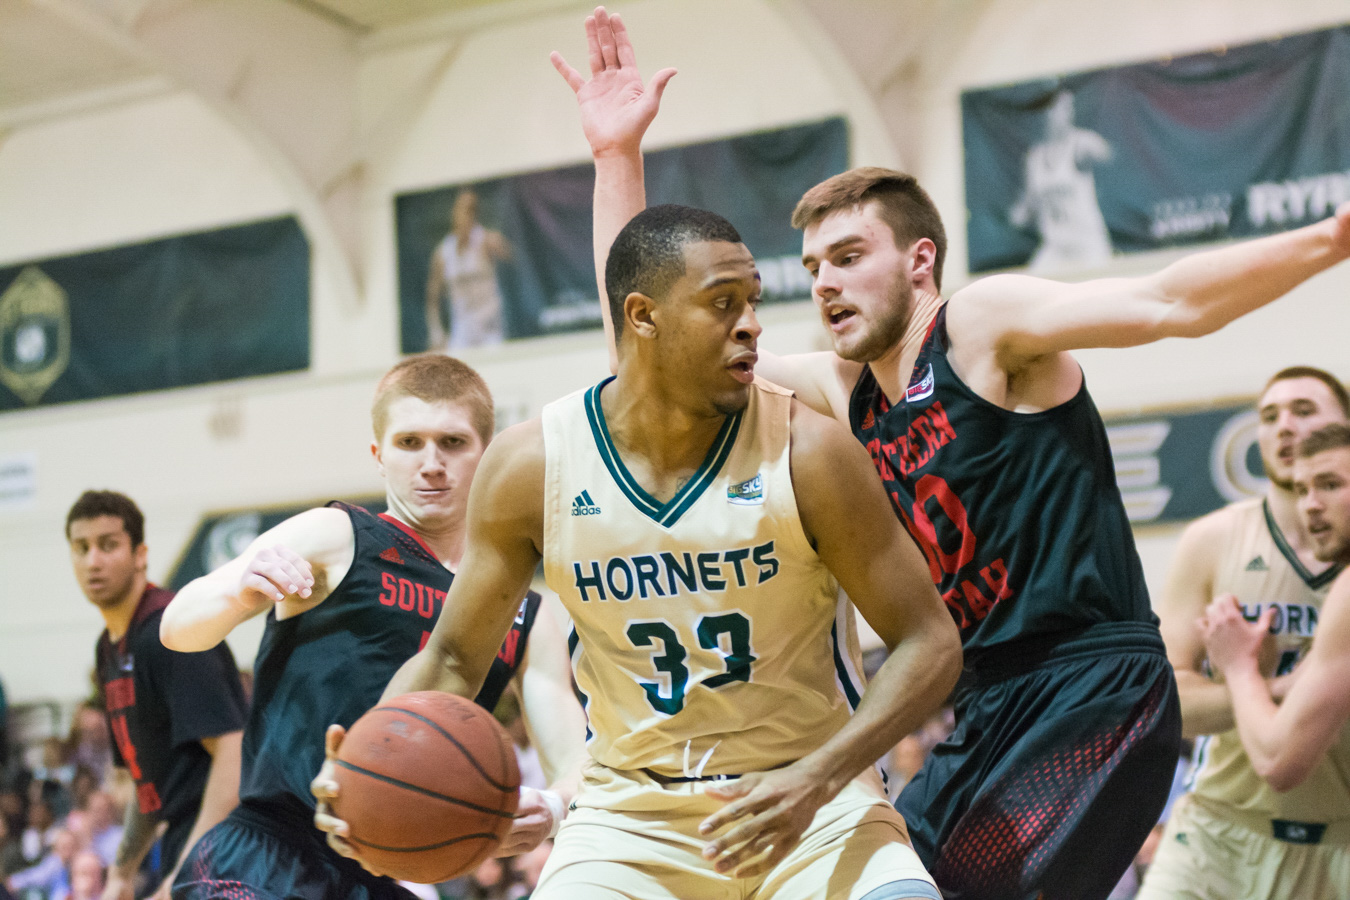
293, 566
1024, 319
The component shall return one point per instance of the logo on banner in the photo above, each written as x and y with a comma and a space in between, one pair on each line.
923, 390
34, 334
229, 537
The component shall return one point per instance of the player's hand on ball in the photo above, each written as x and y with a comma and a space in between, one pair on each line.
324, 787
537, 819
1229, 638
275, 573
776, 808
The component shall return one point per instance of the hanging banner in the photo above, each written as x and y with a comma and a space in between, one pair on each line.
521, 262
1176, 466
185, 310
1061, 173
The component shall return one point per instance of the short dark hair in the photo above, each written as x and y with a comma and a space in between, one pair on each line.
901, 202
1322, 375
648, 255
1328, 437
93, 504
434, 378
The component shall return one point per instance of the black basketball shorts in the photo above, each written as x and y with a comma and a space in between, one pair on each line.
1060, 765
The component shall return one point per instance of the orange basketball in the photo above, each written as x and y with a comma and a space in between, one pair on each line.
428, 784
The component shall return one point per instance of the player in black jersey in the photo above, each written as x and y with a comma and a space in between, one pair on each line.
176, 718
980, 426
350, 596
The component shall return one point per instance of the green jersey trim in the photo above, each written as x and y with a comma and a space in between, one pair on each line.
1315, 582
663, 514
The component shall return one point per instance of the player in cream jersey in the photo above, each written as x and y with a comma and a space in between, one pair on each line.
695, 524
706, 628
1234, 835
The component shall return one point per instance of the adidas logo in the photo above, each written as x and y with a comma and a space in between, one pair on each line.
391, 556
869, 420
583, 505
1258, 565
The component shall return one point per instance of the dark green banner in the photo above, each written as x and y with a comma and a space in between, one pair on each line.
1175, 466
222, 536
1063, 172
523, 266
185, 310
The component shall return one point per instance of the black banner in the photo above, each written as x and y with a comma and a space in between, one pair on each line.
185, 310
524, 267
1063, 172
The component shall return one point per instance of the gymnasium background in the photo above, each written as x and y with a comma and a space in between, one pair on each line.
125, 122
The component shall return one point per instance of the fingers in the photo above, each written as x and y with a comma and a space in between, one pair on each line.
657, 86
569, 74
749, 805
609, 47
593, 54
1267, 618
276, 572
623, 44
332, 741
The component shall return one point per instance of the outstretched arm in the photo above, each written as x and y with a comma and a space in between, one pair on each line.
857, 536
292, 566
616, 109
1285, 742
1023, 319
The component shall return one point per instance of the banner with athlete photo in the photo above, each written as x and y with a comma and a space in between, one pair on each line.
196, 308
511, 257
1063, 172
1176, 466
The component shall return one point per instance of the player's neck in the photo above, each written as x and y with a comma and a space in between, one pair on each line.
445, 539
648, 425
117, 616
1284, 510
893, 368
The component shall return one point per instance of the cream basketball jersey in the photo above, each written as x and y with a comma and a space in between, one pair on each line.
708, 638
1260, 569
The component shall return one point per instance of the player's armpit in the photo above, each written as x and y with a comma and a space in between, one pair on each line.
822, 381
505, 532
294, 563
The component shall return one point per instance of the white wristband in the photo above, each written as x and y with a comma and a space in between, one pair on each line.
556, 807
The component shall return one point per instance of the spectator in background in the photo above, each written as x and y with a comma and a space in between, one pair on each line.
177, 717
82, 786
89, 744
37, 837
51, 875
11, 853
105, 832
86, 878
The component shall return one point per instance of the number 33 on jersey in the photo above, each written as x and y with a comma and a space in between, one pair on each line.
707, 620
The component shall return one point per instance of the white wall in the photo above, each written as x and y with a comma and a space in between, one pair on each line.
168, 164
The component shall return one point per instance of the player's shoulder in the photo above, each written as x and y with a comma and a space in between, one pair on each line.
1225, 520
515, 459
817, 439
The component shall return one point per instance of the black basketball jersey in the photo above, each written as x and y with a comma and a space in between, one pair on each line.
1018, 514
161, 704
331, 663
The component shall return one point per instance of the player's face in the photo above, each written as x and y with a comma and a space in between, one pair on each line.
1290, 410
706, 328
1322, 484
105, 563
428, 456
860, 281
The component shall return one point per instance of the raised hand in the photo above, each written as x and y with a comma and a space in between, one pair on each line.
616, 106
275, 573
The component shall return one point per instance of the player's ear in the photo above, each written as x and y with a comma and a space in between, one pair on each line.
637, 313
139, 556
923, 255
375, 452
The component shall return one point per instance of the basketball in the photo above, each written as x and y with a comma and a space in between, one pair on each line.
428, 784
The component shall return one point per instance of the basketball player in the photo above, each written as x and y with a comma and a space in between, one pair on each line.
694, 522
350, 596
979, 423
1259, 550
463, 271
176, 718
1303, 742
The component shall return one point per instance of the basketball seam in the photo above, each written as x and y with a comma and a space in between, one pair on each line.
466, 837
451, 738
427, 791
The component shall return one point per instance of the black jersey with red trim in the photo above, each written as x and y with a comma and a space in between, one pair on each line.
161, 704
1018, 514
331, 663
